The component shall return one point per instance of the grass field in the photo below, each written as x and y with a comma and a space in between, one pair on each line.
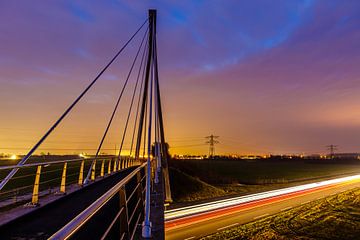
335, 217
186, 188
259, 171
234, 177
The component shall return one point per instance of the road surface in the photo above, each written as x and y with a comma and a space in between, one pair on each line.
187, 224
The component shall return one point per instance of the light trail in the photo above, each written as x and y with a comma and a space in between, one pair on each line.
189, 211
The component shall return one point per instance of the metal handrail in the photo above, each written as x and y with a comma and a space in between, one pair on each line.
135, 189
76, 223
134, 211
44, 163
134, 230
51, 162
112, 223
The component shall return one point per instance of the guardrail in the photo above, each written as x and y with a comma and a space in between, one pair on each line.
35, 180
115, 215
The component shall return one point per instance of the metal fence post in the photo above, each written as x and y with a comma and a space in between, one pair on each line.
114, 165
81, 173
35, 195
109, 167
16, 192
120, 163
63, 179
124, 218
102, 168
93, 171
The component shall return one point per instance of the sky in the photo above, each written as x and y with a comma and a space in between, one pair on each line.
279, 77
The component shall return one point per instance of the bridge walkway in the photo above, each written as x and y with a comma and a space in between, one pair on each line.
47, 219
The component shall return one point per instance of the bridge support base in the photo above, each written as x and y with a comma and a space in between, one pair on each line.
146, 230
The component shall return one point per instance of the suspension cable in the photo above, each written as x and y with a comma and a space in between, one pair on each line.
132, 100
137, 108
28, 155
115, 108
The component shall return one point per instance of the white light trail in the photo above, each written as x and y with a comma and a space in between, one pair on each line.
214, 205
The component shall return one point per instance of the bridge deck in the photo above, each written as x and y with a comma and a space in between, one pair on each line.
43, 222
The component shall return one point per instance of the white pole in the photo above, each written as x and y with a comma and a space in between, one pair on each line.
146, 226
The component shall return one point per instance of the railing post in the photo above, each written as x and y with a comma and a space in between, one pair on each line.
93, 171
81, 173
114, 165
102, 168
109, 167
124, 217
35, 195
63, 179
16, 192
120, 166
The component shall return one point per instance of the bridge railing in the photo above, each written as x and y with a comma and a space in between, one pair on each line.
115, 215
36, 180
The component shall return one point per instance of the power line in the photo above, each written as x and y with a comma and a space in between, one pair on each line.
185, 146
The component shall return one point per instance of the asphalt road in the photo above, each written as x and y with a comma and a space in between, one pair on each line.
195, 226
43, 222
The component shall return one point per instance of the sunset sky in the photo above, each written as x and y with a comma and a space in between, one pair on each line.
266, 76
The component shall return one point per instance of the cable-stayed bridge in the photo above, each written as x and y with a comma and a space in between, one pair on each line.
101, 196
122, 196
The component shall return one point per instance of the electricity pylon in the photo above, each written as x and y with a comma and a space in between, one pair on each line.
212, 141
332, 149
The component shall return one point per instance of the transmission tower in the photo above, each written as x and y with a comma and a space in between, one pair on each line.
332, 149
212, 141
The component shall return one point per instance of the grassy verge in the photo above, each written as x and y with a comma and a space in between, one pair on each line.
239, 177
334, 217
188, 189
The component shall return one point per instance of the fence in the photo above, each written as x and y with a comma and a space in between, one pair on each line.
115, 215
36, 180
